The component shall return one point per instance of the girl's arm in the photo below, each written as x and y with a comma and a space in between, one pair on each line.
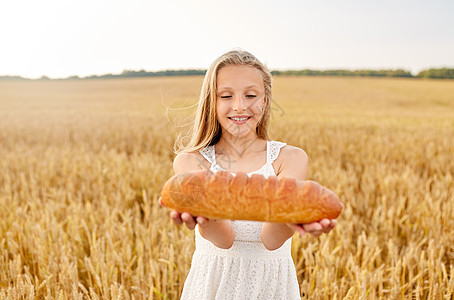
274, 235
218, 232
294, 165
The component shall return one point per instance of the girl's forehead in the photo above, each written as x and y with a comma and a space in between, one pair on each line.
239, 75
239, 69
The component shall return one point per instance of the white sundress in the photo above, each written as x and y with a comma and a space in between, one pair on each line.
247, 270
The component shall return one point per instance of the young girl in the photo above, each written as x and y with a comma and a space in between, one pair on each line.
240, 259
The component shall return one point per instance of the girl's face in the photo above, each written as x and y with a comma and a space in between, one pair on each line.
240, 100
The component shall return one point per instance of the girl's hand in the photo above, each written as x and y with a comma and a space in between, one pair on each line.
186, 218
315, 228
189, 220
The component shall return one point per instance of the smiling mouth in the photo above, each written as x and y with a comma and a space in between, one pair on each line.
239, 119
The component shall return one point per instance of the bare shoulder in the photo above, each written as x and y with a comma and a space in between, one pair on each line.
188, 162
292, 162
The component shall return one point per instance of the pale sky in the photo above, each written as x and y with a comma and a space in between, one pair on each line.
61, 38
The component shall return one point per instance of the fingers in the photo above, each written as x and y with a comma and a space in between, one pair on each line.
298, 228
186, 218
317, 228
202, 221
325, 223
176, 217
160, 202
189, 220
333, 224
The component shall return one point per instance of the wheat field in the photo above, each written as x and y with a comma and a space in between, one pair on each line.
82, 164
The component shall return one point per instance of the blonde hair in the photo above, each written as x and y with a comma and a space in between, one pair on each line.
207, 130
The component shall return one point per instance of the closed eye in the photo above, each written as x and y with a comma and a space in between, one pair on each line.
226, 97
251, 96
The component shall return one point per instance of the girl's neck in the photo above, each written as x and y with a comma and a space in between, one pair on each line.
238, 147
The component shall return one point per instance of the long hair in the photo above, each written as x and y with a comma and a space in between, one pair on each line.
207, 130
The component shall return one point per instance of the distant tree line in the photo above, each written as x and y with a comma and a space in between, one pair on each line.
124, 74
437, 73
8, 77
143, 73
361, 73
443, 73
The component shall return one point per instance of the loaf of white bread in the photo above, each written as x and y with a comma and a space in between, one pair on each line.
221, 195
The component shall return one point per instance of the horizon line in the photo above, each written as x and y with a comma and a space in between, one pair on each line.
126, 71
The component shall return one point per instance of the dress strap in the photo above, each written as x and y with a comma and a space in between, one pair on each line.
273, 150
208, 153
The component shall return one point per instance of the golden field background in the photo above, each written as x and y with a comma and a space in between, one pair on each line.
82, 163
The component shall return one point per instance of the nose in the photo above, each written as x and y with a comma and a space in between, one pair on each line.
238, 104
